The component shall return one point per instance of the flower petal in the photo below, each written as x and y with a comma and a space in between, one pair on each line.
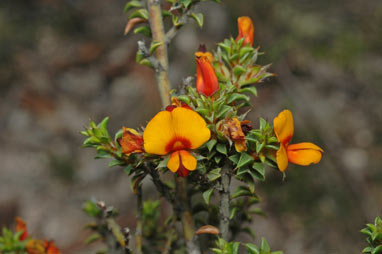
158, 133
131, 141
188, 160
283, 126
188, 124
304, 154
282, 158
173, 163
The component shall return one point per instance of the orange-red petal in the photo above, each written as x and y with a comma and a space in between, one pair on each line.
246, 30
182, 162
206, 79
21, 226
51, 248
304, 153
131, 141
283, 126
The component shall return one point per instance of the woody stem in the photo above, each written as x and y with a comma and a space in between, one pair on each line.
158, 35
224, 202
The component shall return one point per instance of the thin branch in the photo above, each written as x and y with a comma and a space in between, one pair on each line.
139, 229
224, 202
146, 53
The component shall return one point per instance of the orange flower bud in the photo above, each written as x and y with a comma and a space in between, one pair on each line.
206, 80
131, 141
21, 226
246, 30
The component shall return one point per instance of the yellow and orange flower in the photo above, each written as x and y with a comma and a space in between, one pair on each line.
131, 141
35, 247
302, 153
21, 226
176, 131
206, 79
246, 30
233, 131
51, 248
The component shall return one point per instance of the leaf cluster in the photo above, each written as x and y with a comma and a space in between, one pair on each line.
224, 247
10, 242
374, 237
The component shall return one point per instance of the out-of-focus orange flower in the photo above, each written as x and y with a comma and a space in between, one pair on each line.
51, 248
302, 154
206, 79
21, 226
233, 131
176, 131
131, 141
35, 247
246, 30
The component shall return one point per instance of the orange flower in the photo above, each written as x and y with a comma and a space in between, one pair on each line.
50, 248
246, 30
35, 247
21, 226
176, 131
233, 131
206, 79
131, 141
302, 154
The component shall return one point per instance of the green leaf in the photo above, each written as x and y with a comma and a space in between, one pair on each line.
252, 249
185, 99
264, 245
234, 158
223, 110
145, 30
245, 159
93, 238
232, 213
241, 191
214, 174
238, 70
116, 163
263, 123
141, 13
221, 148
154, 45
259, 167
91, 209
210, 144
249, 89
186, 3
198, 17
236, 97
132, 4
207, 195
377, 250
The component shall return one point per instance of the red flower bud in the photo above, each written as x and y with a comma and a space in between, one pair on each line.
206, 80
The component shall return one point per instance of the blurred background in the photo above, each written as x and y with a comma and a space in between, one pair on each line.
63, 62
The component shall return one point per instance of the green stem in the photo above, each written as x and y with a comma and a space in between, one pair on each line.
224, 202
139, 229
158, 35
